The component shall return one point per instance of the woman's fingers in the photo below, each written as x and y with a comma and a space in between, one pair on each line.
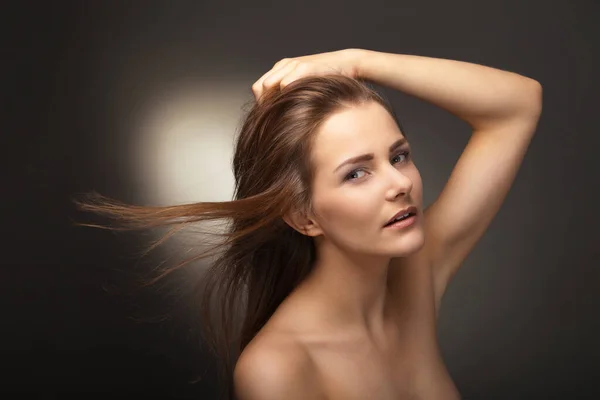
275, 78
300, 71
258, 86
288, 70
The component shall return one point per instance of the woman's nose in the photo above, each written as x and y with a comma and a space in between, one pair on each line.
399, 184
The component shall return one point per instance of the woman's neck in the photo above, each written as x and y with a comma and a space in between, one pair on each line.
349, 291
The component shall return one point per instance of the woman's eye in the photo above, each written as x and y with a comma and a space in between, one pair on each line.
354, 174
404, 153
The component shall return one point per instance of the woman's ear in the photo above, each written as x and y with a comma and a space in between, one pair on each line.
302, 223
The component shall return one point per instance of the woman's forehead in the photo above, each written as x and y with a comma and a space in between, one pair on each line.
358, 118
354, 131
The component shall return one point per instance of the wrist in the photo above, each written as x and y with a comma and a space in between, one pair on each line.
354, 60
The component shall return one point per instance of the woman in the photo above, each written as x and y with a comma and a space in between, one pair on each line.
341, 269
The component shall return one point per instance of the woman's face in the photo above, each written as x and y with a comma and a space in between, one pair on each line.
353, 200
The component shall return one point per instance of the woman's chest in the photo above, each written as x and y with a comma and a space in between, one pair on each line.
404, 363
368, 373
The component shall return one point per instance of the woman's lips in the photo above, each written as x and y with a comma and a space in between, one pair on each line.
405, 223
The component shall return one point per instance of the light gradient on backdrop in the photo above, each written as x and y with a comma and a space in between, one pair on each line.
181, 152
182, 149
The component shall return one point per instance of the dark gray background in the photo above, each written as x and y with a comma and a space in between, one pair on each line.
520, 320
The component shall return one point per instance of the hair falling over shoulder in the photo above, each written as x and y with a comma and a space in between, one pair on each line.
260, 259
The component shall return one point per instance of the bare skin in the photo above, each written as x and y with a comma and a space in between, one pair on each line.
402, 361
363, 324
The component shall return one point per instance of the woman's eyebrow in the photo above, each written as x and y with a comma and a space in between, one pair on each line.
369, 156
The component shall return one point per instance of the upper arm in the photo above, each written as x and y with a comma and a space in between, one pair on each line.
475, 192
276, 372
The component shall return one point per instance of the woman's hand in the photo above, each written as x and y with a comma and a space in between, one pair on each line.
286, 71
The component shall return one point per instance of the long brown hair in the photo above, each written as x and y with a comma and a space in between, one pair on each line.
261, 259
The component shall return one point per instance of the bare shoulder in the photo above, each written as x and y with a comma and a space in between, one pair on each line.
273, 367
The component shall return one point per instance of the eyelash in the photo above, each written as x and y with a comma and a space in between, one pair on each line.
404, 153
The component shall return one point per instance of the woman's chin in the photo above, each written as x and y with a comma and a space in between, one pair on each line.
409, 244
